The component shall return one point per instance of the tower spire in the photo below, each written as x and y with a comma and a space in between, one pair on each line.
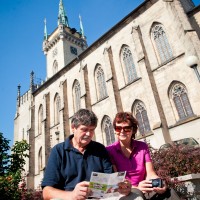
32, 81
81, 27
62, 17
18, 95
45, 29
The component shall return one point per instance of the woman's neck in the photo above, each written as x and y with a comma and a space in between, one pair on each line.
126, 144
126, 148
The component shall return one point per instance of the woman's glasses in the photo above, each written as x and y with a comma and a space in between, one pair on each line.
125, 128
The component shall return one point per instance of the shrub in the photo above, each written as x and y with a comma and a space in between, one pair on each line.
12, 184
175, 161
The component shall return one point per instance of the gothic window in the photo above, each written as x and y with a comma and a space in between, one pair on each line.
77, 95
40, 118
100, 83
162, 44
128, 64
55, 67
57, 109
108, 130
181, 101
142, 117
40, 167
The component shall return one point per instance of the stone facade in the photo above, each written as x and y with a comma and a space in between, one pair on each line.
44, 112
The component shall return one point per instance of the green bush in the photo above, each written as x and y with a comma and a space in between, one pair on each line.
12, 184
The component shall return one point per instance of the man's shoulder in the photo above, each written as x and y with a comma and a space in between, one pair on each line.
59, 147
97, 144
96, 148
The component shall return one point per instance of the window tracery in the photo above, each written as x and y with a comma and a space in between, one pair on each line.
162, 44
142, 117
129, 65
181, 101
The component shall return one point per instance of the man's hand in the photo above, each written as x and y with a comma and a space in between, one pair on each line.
81, 191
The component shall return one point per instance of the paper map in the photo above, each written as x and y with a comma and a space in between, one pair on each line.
105, 185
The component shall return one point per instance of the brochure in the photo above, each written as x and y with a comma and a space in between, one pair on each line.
105, 185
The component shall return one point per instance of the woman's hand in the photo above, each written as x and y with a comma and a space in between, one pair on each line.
124, 187
145, 186
160, 190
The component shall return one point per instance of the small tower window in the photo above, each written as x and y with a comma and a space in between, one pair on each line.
55, 67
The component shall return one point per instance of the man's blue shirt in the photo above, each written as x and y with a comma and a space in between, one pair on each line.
67, 166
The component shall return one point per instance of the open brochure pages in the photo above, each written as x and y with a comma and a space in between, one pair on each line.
105, 185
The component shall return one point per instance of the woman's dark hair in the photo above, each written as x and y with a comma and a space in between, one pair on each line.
84, 117
126, 117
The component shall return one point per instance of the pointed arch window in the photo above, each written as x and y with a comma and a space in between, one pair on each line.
55, 67
181, 101
77, 95
40, 118
57, 109
162, 44
128, 63
142, 117
100, 83
108, 130
40, 166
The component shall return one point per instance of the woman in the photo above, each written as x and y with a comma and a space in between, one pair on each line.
131, 155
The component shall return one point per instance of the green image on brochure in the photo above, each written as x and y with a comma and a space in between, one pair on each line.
105, 185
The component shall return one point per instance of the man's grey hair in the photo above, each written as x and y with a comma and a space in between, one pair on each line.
84, 117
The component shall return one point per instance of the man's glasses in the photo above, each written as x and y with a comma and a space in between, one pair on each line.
125, 128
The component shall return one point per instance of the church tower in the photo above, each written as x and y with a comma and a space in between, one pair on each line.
63, 44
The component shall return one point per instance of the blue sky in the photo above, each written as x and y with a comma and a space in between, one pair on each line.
22, 30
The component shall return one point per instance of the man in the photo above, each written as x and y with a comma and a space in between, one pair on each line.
71, 163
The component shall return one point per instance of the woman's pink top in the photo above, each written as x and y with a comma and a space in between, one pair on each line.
135, 164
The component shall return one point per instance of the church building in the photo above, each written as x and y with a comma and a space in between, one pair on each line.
147, 64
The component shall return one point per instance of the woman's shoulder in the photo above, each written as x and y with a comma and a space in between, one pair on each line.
113, 146
140, 144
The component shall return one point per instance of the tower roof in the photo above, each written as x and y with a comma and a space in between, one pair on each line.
62, 17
